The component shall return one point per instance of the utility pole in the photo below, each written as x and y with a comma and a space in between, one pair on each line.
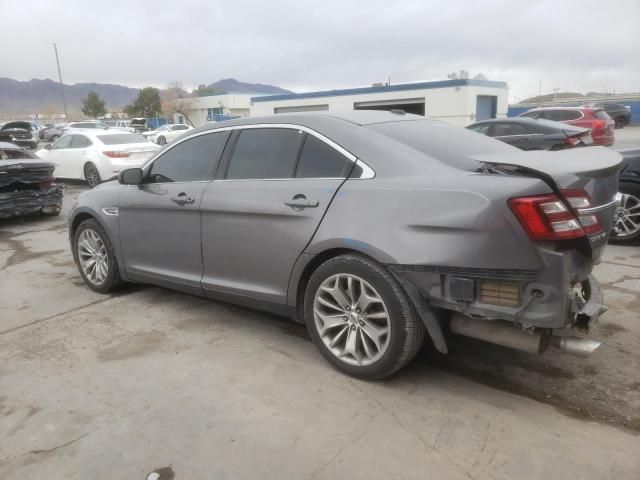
64, 100
555, 95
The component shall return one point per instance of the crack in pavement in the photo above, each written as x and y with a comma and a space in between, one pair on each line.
50, 317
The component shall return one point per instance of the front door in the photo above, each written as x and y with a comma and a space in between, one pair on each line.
259, 215
160, 234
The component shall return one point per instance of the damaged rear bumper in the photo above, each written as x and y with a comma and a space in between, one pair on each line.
23, 202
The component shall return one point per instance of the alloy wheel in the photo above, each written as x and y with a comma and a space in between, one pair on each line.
352, 319
92, 176
93, 257
627, 216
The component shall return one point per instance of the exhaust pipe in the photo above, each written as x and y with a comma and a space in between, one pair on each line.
498, 332
582, 347
506, 334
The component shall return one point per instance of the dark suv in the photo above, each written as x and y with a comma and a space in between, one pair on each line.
19, 133
619, 113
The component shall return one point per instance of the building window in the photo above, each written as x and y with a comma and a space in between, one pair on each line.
301, 108
213, 114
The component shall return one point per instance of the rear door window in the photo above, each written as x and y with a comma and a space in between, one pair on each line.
265, 153
63, 142
80, 141
191, 160
319, 160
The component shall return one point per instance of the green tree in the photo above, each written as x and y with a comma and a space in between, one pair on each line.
204, 91
93, 105
147, 104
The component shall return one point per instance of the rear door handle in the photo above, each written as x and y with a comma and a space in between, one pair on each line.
299, 201
183, 199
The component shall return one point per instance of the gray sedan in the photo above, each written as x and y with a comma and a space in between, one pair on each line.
373, 228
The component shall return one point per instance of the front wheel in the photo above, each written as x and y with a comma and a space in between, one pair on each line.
96, 258
626, 219
91, 175
162, 140
360, 318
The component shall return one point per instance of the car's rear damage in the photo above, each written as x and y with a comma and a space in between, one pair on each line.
27, 186
533, 308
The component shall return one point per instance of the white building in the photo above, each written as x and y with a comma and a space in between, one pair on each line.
215, 108
459, 102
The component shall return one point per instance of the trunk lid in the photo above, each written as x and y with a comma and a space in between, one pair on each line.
594, 169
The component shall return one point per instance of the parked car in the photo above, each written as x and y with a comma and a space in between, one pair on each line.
145, 124
27, 184
167, 133
95, 156
123, 125
43, 129
619, 113
55, 133
534, 134
21, 133
370, 227
626, 230
595, 119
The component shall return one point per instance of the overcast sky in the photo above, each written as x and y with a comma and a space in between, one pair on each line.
580, 45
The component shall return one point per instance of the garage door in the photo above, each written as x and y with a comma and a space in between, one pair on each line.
409, 105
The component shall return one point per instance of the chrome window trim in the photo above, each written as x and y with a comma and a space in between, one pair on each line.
367, 171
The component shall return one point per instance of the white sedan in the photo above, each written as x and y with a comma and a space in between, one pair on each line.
167, 133
95, 156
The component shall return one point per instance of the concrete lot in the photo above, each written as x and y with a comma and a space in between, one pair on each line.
118, 386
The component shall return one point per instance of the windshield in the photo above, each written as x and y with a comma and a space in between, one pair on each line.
121, 138
451, 145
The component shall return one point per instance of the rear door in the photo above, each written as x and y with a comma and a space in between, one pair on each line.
160, 233
62, 155
263, 208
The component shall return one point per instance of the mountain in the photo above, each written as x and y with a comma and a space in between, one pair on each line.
43, 96
231, 85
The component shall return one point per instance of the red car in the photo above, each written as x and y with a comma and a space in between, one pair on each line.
601, 125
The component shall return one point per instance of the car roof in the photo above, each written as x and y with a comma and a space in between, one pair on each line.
311, 119
564, 108
91, 132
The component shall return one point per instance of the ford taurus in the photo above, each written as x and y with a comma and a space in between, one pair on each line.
374, 228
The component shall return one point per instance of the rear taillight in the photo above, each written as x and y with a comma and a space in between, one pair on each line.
599, 127
546, 217
112, 154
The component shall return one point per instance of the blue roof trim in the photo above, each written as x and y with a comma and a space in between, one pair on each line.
383, 89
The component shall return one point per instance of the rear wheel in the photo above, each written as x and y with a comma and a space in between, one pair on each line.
360, 318
96, 258
162, 140
91, 175
620, 122
626, 219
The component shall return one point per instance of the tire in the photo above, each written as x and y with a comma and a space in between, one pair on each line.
91, 175
162, 140
112, 280
627, 215
371, 360
620, 122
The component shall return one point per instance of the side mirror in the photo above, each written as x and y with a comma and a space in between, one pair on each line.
130, 176
47, 146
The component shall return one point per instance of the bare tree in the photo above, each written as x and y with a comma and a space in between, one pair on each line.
177, 100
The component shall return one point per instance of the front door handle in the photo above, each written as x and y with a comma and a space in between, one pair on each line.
183, 199
299, 201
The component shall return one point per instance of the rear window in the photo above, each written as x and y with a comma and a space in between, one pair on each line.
602, 115
10, 154
121, 138
451, 145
